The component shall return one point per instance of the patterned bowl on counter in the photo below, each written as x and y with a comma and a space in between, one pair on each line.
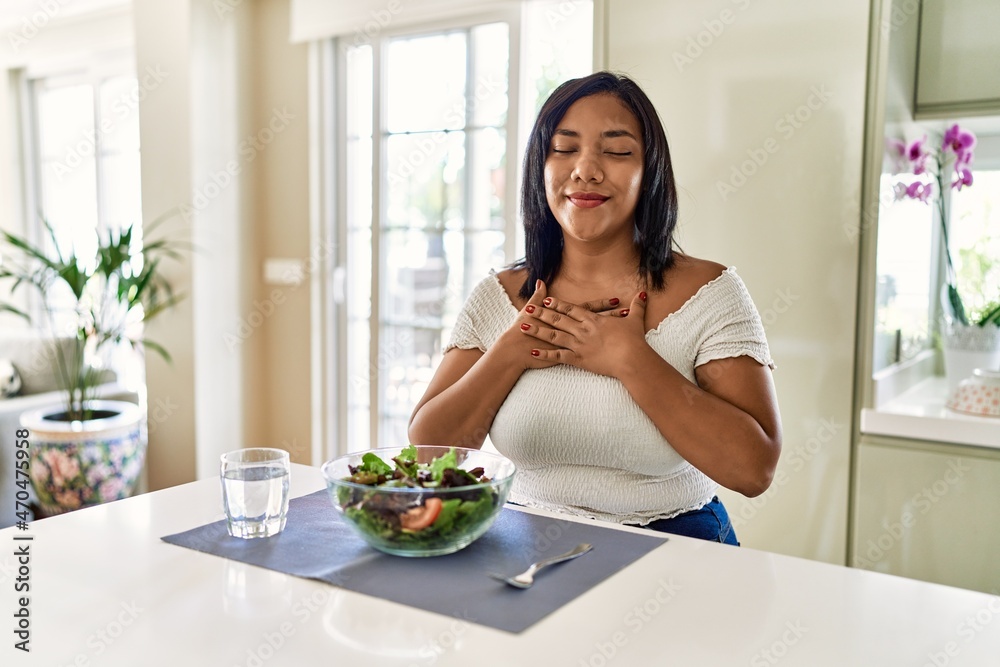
978, 395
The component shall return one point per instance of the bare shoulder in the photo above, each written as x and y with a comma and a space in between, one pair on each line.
689, 274
682, 281
511, 281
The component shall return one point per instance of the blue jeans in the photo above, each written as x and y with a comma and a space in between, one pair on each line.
711, 522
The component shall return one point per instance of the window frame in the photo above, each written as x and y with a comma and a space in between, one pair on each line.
338, 226
95, 72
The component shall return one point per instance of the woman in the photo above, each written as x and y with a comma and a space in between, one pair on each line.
624, 379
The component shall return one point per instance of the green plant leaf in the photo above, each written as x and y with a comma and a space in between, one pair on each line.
955, 301
991, 317
7, 308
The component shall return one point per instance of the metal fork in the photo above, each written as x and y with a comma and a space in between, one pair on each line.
526, 578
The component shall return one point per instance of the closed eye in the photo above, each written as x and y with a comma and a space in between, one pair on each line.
556, 150
620, 154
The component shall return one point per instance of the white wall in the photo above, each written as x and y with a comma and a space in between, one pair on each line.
226, 141
163, 43
724, 74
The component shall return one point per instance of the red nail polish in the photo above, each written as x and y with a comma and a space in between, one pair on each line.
548, 301
530, 308
525, 327
535, 353
614, 301
624, 312
642, 295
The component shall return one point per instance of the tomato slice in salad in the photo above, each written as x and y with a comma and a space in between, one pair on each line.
419, 518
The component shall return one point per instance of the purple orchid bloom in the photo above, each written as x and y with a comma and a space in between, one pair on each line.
919, 190
959, 141
896, 150
917, 154
963, 178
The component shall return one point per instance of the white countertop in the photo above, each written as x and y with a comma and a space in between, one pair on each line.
105, 590
919, 414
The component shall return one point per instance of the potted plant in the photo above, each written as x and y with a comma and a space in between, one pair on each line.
88, 451
971, 339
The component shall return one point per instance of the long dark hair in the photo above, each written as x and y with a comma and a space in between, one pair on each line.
655, 212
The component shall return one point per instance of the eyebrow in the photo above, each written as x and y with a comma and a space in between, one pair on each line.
609, 134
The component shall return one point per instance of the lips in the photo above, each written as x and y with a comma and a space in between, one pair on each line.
587, 199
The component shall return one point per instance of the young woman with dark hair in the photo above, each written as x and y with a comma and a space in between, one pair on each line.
625, 379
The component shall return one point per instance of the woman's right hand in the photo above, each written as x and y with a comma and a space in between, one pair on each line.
513, 342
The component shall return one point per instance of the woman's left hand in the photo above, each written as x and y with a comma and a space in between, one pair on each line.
588, 340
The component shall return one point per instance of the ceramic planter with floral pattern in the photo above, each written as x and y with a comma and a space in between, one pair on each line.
77, 464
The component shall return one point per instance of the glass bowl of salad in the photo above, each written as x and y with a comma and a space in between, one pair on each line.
420, 500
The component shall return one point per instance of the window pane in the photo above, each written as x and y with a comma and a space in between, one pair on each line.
975, 242
405, 364
426, 83
904, 281
119, 128
121, 189
557, 45
489, 58
415, 276
69, 203
359, 92
441, 137
470, 258
487, 182
66, 123
424, 180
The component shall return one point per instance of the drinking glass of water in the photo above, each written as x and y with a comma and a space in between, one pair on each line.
255, 491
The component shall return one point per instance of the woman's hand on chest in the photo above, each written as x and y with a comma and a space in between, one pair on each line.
603, 342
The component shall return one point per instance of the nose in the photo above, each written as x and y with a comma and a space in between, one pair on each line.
587, 168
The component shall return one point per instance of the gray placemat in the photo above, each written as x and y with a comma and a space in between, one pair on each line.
317, 544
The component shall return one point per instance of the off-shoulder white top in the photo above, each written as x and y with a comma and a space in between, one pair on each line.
580, 443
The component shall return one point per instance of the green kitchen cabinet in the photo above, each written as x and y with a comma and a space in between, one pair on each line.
928, 511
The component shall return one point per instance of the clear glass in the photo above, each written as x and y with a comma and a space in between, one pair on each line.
66, 123
425, 180
490, 46
904, 287
89, 167
975, 242
557, 44
442, 192
425, 79
119, 113
358, 278
255, 491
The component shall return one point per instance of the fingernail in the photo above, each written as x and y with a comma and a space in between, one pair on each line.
614, 301
624, 312
538, 284
535, 353
548, 301
642, 295
525, 327
530, 308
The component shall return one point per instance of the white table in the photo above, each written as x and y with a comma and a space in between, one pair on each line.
105, 590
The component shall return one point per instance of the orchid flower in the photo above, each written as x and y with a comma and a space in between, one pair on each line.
917, 154
964, 178
959, 141
935, 162
896, 149
919, 190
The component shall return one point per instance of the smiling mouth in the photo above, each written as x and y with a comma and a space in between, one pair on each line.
587, 199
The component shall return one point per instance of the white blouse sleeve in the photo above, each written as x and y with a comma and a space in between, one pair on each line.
464, 336
475, 323
734, 327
